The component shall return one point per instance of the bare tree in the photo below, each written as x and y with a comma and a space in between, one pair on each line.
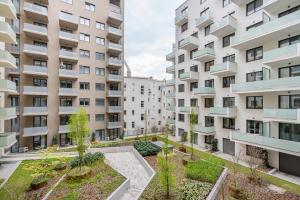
253, 161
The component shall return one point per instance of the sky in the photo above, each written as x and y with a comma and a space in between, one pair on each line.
149, 34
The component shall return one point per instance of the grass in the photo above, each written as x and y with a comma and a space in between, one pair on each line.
102, 182
203, 171
114, 144
19, 182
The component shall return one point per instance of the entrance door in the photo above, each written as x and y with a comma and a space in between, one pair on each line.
228, 147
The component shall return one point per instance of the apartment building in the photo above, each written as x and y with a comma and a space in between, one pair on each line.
142, 105
168, 106
236, 63
7, 62
69, 55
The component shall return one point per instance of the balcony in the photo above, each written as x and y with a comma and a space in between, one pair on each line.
7, 139
273, 85
35, 11
115, 15
7, 34
35, 111
205, 91
189, 43
7, 60
269, 143
36, 31
170, 69
274, 7
204, 20
270, 31
170, 95
68, 21
204, 55
35, 90
202, 130
181, 18
115, 93
115, 78
189, 76
115, 62
115, 109
188, 109
240, 2
114, 48
67, 110
224, 27
35, 51
113, 125
64, 129
8, 113
67, 38
65, 73
114, 33
228, 112
8, 86
170, 121
170, 108
35, 70
35, 131
224, 69
7, 9
282, 115
170, 82
68, 56
282, 56
68, 92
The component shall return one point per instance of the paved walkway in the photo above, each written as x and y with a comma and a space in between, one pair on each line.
6, 170
127, 164
287, 177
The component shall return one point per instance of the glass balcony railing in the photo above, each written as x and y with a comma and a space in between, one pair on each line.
115, 62
188, 109
170, 69
7, 9
68, 92
224, 27
204, 130
115, 46
115, 109
29, 69
204, 55
68, 18
68, 73
7, 139
225, 68
7, 86
35, 49
33, 131
112, 125
68, 36
67, 109
170, 95
189, 43
7, 60
30, 111
68, 55
181, 18
30, 7
223, 111
113, 93
204, 20
115, 31
35, 29
113, 77
7, 34
8, 113
170, 82
170, 108
282, 114
204, 91
64, 129
35, 90
170, 121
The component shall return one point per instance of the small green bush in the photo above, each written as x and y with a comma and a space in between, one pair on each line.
79, 173
38, 182
88, 159
146, 148
194, 190
203, 171
60, 166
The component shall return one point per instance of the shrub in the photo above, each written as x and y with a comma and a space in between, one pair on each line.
146, 148
203, 171
194, 190
214, 145
38, 182
60, 166
79, 173
88, 159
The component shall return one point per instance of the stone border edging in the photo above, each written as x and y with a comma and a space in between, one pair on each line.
118, 193
55, 185
216, 189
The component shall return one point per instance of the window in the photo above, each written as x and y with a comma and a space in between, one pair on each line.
142, 104
228, 123
289, 101
226, 3
39, 121
100, 41
84, 53
99, 117
181, 58
40, 63
289, 132
208, 139
207, 30
84, 86
132, 99
40, 82
192, 53
142, 117
228, 102
66, 66
209, 121
194, 68
210, 45
84, 21
227, 40
254, 6
84, 37
100, 26
100, 56
100, 71
84, 102
89, 6
38, 102
181, 88
181, 71
230, 58
184, 27
181, 117
100, 102
100, 86
194, 102
65, 84
84, 69
209, 83
193, 86
207, 65
255, 25
254, 54
202, 13
142, 89
132, 112
132, 125
254, 102
289, 41
100, 134
289, 11
254, 127
254, 76
208, 102
180, 102
227, 81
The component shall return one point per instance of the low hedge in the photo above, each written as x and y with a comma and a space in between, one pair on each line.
194, 190
88, 159
38, 182
146, 148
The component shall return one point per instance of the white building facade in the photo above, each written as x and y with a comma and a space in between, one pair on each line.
237, 64
142, 105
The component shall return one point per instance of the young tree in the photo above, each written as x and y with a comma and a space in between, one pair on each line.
253, 160
146, 125
78, 126
165, 165
193, 121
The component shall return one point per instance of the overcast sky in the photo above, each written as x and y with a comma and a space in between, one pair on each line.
149, 34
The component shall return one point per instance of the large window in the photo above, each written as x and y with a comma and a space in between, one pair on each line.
228, 80
227, 40
209, 121
100, 56
84, 102
207, 30
208, 102
89, 6
254, 102
254, 127
84, 69
181, 117
230, 58
289, 11
181, 88
180, 102
228, 102
207, 65
254, 76
255, 25
184, 27
181, 58
84, 53
84, 37
209, 83
289, 41
100, 26
289, 71
40, 82
254, 54
254, 6
84, 21
39, 121
181, 71
193, 86
289, 101
228, 123
289, 132
210, 45
39, 101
